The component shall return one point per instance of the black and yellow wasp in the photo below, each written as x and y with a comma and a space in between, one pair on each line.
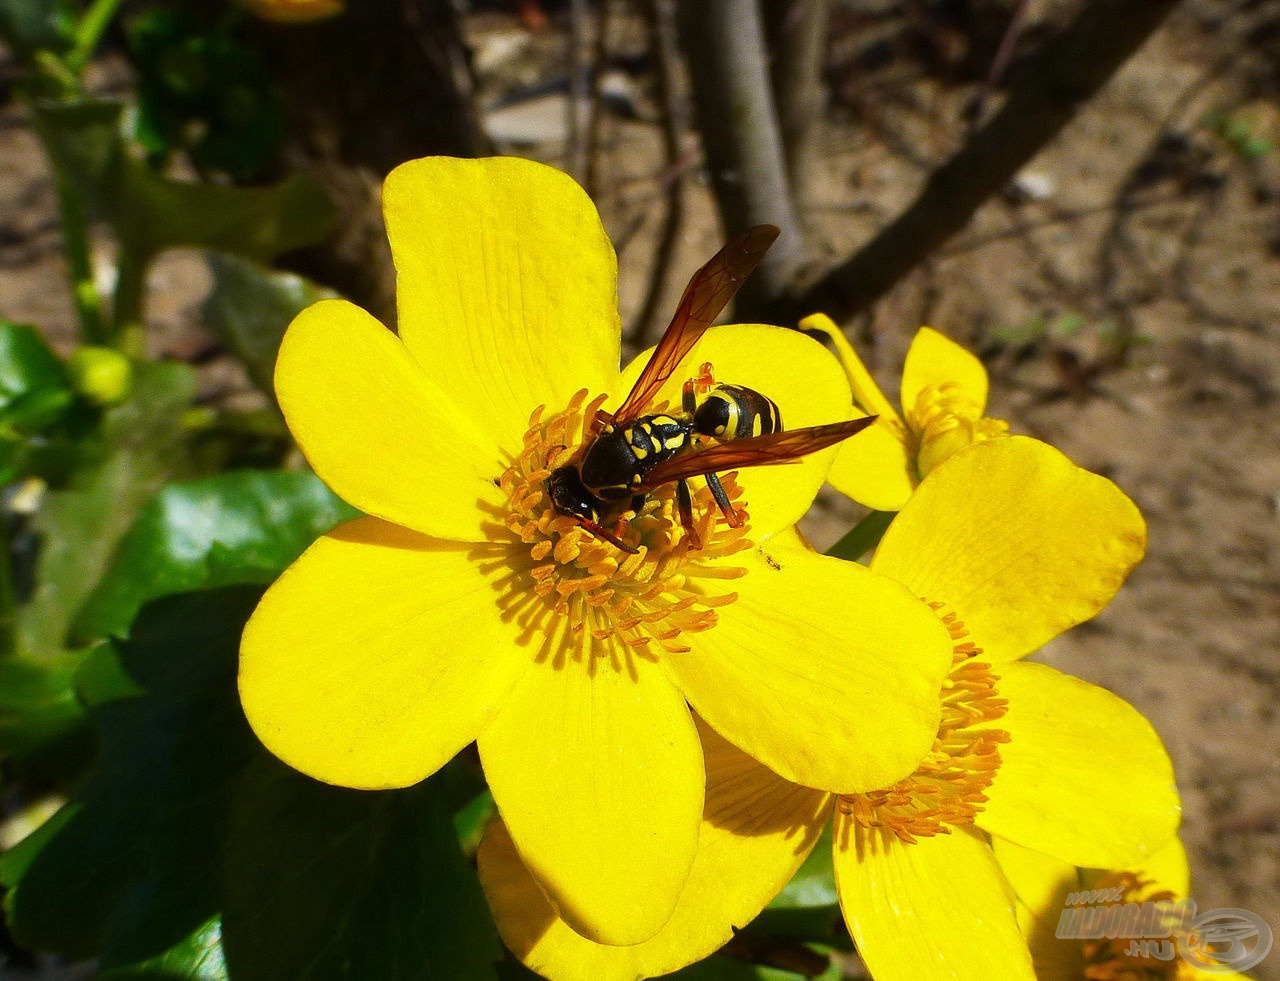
629, 453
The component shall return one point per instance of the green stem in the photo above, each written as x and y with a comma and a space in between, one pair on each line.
8, 597
75, 244
89, 32
863, 537
130, 296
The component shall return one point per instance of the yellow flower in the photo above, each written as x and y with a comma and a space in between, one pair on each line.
944, 396
1045, 887
293, 11
463, 608
1013, 544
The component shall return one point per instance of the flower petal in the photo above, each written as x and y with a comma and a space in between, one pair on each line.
823, 671
1017, 540
377, 656
866, 393
800, 376
378, 430
1083, 777
874, 468
597, 772
507, 285
937, 909
756, 831
935, 359
1041, 883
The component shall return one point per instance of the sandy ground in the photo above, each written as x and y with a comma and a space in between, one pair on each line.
1142, 219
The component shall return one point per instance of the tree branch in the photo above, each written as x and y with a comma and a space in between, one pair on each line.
1070, 70
725, 48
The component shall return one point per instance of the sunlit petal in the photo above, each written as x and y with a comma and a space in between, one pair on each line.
378, 430
377, 656
506, 285
597, 771
1015, 539
1084, 777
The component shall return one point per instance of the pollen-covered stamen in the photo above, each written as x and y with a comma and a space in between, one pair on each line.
1157, 911
948, 787
945, 419
616, 602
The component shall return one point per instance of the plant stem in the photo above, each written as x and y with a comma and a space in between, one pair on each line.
89, 32
130, 295
75, 246
863, 537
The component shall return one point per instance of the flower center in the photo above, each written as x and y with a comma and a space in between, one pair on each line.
944, 420
612, 601
947, 789
1108, 959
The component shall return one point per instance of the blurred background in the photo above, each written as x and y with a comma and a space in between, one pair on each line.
1085, 192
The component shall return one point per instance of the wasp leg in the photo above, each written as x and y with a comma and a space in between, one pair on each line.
684, 502
605, 535
689, 396
722, 498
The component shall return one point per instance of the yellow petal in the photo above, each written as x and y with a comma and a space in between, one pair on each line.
800, 376
874, 468
823, 671
756, 831
377, 656
1083, 777
938, 909
1167, 868
597, 772
1018, 541
507, 285
378, 430
934, 359
1042, 884
866, 393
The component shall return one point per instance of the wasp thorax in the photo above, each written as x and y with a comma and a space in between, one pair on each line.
948, 787
615, 601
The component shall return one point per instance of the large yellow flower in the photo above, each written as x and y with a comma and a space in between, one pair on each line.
1045, 887
462, 608
1013, 544
944, 398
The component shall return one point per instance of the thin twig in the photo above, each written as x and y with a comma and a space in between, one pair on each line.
1070, 70
595, 111
725, 44
665, 41
576, 154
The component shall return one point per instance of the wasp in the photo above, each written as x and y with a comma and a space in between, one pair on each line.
630, 452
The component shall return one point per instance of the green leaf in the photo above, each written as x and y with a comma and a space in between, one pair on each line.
144, 445
197, 957
240, 527
35, 25
132, 866
326, 883
249, 308
34, 385
41, 720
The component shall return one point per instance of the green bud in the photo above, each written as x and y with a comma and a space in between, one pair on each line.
100, 374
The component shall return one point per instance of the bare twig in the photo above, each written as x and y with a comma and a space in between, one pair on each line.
724, 40
1070, 70
575, 107
595, 111
1004, 54
800, 36
675, 123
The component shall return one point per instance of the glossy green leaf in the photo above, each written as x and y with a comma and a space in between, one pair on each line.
34, 385
42, 723
143, 446
249, 308
326, 883
240, 527
132, 866
197, 957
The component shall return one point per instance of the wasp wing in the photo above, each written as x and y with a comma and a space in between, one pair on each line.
754, 451
710, 290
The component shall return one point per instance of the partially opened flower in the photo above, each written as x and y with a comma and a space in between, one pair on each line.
944, 398
465, 608
1012, 544
1066, 913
